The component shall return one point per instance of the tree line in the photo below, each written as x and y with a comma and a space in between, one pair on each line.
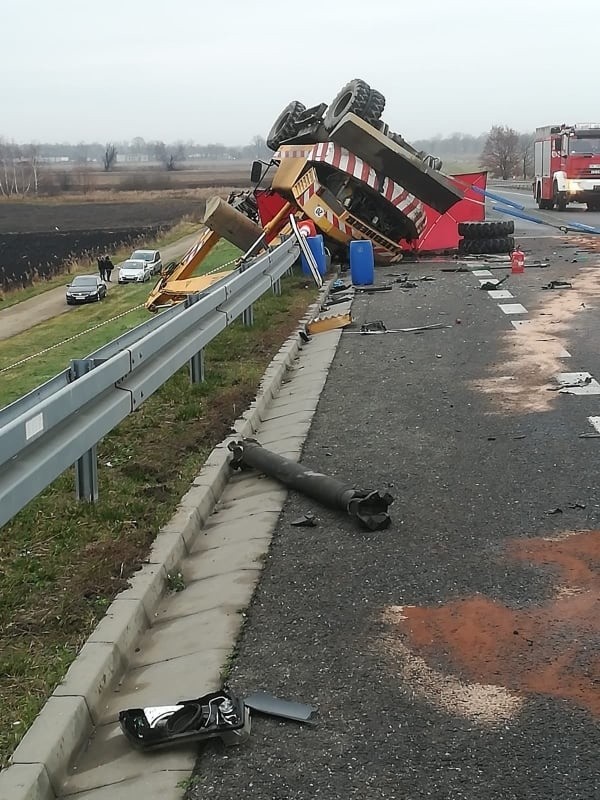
504, 152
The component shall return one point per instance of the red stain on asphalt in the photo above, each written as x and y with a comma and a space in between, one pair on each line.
552, 649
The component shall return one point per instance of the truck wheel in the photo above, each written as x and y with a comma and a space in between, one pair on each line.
286, 124
374, 108
354, 97
594, 206
559, 199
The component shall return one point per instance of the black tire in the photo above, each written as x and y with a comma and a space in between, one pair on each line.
464, 246
559, 199
593, 206
354, 97
486, 230
374, 108
501, 244
286, 124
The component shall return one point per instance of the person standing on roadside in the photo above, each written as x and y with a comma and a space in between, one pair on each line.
108, 267
101, 268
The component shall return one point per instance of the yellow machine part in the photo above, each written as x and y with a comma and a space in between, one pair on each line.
287, 175
163, 294
324, 324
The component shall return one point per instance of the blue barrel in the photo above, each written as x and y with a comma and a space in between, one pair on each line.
317, 248
362, 262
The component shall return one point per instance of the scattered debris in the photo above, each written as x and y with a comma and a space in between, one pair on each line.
369, 507
573, 385
307, 520
558, 284
214, 715
489, 286
374, 327
589, 435
575, 505
339, 286
265, 703
520, 436
332, 301
217, 714
556, 510
323, 324
369, 328
385, 287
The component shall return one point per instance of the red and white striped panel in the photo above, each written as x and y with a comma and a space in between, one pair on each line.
297, 152
345, 161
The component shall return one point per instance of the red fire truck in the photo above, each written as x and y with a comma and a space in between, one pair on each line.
567, 166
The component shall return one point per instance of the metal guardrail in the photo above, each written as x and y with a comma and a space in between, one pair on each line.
58, 424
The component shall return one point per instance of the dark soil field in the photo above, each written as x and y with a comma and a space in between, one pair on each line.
38, 239
23, 217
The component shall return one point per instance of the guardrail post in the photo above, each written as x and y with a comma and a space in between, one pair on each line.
248, 316
86, 467
196, 366
277, 288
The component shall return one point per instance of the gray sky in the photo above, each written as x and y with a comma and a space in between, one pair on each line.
222, 71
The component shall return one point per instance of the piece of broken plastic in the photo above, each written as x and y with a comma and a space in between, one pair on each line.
217, 714
265, 703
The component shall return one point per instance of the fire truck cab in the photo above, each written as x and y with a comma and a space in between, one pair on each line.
567, 166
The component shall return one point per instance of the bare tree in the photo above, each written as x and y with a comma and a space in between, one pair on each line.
526, 145
501, 154
19, 169
169, 156
109, 157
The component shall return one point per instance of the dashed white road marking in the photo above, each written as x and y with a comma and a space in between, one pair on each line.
591, 387
595, 422
500, 294
495, 281
482, 273
512, 308
519, 323
562, 353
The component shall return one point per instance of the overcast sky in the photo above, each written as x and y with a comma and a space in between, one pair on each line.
222, 71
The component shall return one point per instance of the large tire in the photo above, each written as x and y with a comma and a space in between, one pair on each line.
374, 108
486, 230
286, 124
354, 97
502, 244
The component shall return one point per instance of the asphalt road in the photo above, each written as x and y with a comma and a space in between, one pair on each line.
575, 212
457, 654
25, 315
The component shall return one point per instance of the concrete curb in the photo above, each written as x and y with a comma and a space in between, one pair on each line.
40, 762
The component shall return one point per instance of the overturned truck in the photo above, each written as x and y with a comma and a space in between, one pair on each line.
341, 168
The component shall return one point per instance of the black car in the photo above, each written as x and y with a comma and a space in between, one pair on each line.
85, 289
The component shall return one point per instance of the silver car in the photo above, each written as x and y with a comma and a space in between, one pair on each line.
151, 257
134, 271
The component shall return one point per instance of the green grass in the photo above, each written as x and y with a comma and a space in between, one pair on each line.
78, 323
61, 562
14, 296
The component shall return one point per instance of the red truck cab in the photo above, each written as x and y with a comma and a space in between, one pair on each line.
567, 166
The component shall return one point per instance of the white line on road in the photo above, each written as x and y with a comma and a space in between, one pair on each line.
512, 308
482, 273
500, 294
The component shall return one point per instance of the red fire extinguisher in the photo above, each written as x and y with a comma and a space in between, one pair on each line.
517, 261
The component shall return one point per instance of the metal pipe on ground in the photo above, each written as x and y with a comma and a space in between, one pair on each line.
370, 508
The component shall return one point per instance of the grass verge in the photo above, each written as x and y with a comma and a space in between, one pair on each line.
41, 285
61, 563
85, 328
